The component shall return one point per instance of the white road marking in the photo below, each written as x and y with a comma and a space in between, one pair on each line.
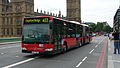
84, 59
96, 46
81, 62
18, 63
91, 51
8, 47
101, 41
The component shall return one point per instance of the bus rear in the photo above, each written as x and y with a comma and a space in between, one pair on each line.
36, 36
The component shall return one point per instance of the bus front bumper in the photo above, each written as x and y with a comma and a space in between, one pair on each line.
38, 52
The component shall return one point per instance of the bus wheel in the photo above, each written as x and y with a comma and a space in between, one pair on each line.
65, 48
80, 44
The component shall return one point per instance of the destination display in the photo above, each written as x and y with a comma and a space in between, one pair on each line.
36, 20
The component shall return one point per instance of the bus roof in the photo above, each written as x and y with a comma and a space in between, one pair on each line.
75, 22
85, 25
37, 16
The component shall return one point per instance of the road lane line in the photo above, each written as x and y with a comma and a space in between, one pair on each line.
91, 51
81, 62
96, 46
8, 47
99, 43
84, 59
18, 63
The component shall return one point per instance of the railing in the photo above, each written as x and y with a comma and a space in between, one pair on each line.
10, 39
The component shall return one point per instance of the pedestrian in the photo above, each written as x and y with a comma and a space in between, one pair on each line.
116, 41
119, 41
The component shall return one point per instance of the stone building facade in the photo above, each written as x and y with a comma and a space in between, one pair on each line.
74, 10
11, 13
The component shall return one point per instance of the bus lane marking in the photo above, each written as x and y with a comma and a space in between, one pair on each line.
101, 58
18, 63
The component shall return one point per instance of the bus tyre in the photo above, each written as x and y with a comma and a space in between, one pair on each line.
65, 48
80, 44
88, 41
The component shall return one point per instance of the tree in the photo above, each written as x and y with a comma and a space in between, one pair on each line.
100, 27
93, 27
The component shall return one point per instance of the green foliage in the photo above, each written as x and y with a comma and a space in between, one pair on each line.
100, 27
93, 27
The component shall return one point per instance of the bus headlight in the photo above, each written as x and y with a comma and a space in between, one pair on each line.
49, 49
41, 45
24, 49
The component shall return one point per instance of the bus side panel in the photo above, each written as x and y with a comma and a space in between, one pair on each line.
70, 41
81, 40
90, 38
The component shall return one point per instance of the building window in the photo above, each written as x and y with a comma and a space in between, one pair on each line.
3, 31
6, 20
7, 31
18, 19
11, 31
3, 21
19, 31
11, 20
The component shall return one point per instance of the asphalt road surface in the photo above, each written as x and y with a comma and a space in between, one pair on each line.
93, 55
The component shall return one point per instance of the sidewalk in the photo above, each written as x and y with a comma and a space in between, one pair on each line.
5, 43
113, 59
9, 40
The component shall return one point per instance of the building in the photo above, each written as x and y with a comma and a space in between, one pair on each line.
11, 14
116, 24
74, 10
45, 13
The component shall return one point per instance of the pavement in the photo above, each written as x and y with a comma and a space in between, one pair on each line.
113, 59
5, 43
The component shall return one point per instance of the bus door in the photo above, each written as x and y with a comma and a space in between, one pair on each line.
57, 30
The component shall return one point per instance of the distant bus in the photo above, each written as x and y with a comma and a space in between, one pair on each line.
50, 35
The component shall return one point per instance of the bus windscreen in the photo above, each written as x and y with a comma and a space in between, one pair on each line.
36, 30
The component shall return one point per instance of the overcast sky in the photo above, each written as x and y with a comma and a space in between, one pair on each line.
92, 10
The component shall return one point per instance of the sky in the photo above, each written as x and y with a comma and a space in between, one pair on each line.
91, 10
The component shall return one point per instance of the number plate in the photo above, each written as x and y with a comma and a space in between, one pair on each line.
35, 52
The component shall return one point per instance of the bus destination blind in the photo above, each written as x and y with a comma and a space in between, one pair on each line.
36, 20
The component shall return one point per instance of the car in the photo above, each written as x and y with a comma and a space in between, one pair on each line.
106, 34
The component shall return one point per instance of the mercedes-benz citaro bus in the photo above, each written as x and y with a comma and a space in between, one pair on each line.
50, 35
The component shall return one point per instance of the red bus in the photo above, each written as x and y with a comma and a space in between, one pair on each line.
50, 35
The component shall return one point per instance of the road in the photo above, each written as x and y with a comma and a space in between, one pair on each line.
93, 55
